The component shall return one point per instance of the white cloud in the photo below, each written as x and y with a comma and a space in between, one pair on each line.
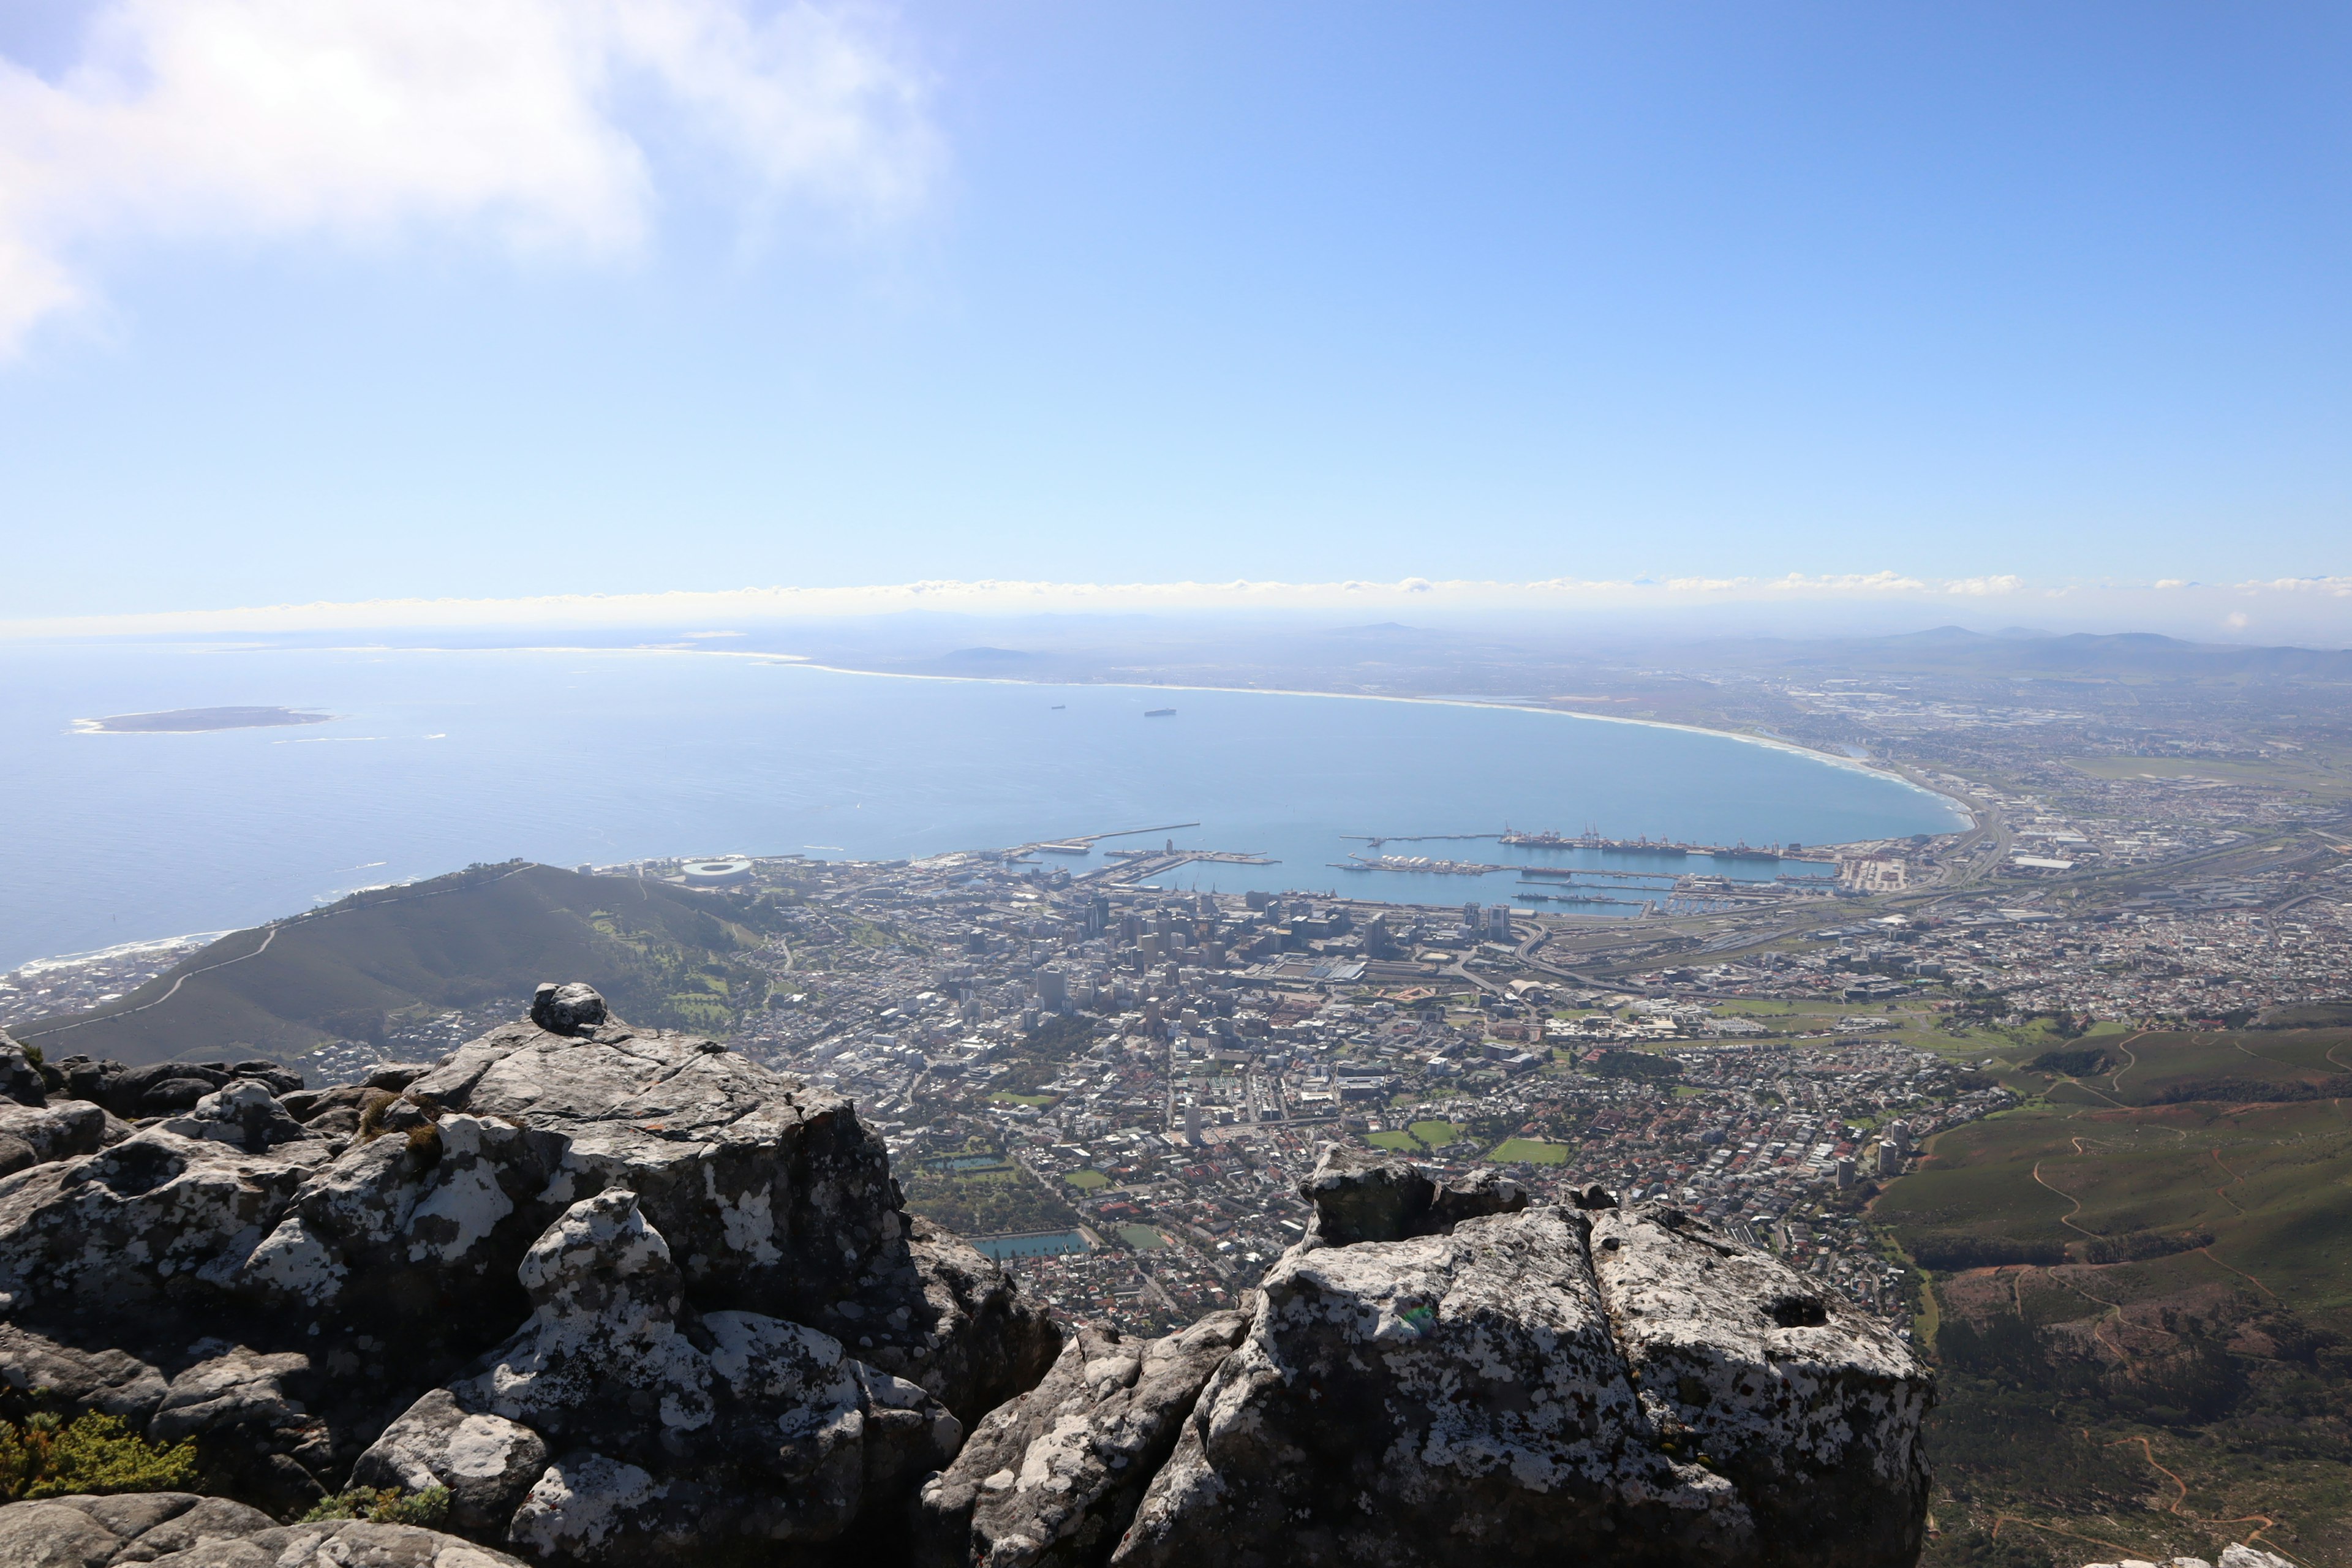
2291, 609
521, 122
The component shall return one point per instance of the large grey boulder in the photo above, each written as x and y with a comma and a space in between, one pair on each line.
566, 1009
183, 1530
242, 1112
1812, 1411
33, 1135
772, 1196
1368, 1196
1421, 1384
674, 1434
1053, 1477
1429, 1400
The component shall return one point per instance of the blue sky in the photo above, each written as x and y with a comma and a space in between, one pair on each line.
1140, 293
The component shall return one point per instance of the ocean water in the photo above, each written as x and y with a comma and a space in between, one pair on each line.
437, 758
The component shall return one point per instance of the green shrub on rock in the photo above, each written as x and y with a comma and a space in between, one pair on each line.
384, 1505
48, 1457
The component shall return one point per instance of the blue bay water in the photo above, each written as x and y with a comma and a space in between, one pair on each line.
439, 758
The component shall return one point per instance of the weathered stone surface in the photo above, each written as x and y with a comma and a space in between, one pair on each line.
112, 1381
792, 1366
673, 1434
157, 1214
183, 1530
52, 1535
1366, 1195
1810, 1409
36, 1134
1053, 1478
20, 1081
1432, 1401
161, 1088
776, 1197
486, 1461
239, 1388
1609, 1387
951, 1320
242, 1113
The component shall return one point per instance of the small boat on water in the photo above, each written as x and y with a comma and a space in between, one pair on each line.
1159, 712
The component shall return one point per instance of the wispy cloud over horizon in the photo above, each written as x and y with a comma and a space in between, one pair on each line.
500, 121
2301, 608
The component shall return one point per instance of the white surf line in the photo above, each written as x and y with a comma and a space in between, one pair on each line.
268, 938
121, 950
276, 926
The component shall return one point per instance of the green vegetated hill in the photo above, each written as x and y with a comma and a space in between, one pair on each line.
2142, 1292
354, 970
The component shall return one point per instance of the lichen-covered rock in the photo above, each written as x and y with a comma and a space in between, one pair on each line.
32, 1135
775, 1197
487, 1462
1051, 1478
280, 1275
157, 1214
675, 1432
1421, 1385
1810, 1409
1432, 1401
162, 1089
184, 1531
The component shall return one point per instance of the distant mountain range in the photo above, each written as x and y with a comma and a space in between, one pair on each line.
1956, 649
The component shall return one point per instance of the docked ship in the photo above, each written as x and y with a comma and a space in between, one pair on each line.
1589, 839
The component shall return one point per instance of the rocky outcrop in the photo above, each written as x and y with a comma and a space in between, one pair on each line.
1053, 1477
20, 1081
1811, 1412
183, 1530
2232, 1556
36, 1134
447, 1275
706, 1428
1433, 1379
159, 1089
632, 1300
1365, 1196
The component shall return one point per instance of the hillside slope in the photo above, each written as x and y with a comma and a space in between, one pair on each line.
2143, 1300
356, 969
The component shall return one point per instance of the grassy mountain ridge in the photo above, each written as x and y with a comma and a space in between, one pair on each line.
356, 969
2142, 1283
